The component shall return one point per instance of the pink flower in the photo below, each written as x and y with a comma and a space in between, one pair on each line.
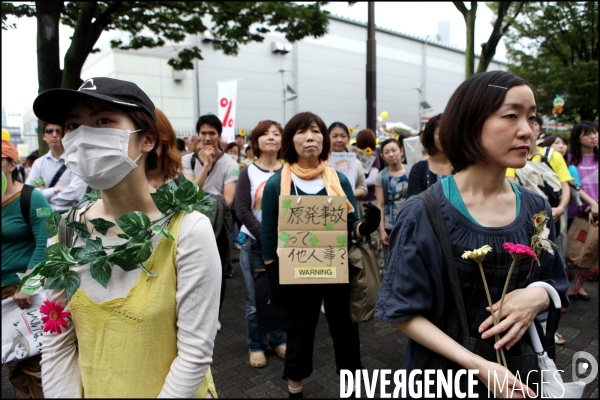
54, 316
519, 250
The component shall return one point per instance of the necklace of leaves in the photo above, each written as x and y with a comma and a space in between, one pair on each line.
57, 271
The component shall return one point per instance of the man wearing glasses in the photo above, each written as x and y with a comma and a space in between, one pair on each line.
50, 175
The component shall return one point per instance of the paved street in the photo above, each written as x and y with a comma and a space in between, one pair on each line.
381, 347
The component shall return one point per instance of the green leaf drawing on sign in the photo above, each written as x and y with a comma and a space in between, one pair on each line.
341, 240
286, 205
284, 238
313, 240
329, 226
101, 225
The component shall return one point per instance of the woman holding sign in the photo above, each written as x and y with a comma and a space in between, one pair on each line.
23, 246
436, 287
147, 327
322, 205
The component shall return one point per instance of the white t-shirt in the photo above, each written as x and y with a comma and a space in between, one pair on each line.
224, 171
258, 179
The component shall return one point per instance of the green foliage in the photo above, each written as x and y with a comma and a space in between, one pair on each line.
138, 230
554, 45
154, 23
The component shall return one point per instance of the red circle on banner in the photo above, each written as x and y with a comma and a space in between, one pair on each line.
224, 102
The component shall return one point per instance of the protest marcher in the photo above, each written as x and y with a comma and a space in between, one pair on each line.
340, 137
249, 155
216, 175
305, 149
436, 166
164, 164
367, 141
583, 156
136, 335
266, 139
239, 140
434, 290
557, 163
193, 143
186, 142
61, 187
23, 246
391, 187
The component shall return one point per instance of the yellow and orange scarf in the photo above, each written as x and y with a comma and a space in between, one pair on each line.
330, 178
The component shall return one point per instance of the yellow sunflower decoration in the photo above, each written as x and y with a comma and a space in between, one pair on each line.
351, 130
243, 132
368, 151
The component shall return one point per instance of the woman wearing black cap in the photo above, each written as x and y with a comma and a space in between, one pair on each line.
137, 334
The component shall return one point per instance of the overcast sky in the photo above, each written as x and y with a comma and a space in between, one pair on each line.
19, 62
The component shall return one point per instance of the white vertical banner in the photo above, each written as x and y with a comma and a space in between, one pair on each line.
227, 103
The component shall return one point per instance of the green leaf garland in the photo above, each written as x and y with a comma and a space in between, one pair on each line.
57, 272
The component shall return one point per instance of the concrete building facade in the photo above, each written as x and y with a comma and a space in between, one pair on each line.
327, 74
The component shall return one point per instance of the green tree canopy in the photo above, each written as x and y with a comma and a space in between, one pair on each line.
554, 45
152, 24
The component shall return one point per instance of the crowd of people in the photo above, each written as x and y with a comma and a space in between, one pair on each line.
150, 331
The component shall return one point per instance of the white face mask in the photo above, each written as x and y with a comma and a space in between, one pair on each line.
99, 155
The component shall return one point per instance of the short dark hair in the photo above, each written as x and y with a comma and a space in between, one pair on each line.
209, 119
180, 144
338, 124
469, 107
388, 141
366, 138
428, 135
237, 136
258, 131
302, 121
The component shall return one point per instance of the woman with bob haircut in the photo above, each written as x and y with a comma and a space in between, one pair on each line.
266, 139
486, 128
305, 148
436, 167
137, 335
166, 166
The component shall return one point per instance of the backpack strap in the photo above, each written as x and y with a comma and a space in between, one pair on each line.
194, 158
547, 156
434, 214
57, 176
26, 202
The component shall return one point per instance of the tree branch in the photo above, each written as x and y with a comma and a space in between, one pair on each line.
461, 7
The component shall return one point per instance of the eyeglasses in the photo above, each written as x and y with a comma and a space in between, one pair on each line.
49, 131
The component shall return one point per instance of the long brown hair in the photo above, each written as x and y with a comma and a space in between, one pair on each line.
169, 160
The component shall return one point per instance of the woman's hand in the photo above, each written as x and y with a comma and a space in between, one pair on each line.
520, 308
593, 208
493, 376
384, 237
22, 300
557, 212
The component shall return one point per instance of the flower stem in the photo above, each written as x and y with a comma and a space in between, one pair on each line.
499, 352
512, 266
530, 269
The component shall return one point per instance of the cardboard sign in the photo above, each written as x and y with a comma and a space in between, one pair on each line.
312, 240
346, 164
365, 160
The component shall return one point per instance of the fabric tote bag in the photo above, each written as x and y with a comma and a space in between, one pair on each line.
22, 330
582, 243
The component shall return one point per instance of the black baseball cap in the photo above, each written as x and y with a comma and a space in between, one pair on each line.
53, 105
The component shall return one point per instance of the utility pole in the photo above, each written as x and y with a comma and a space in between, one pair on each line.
371, 70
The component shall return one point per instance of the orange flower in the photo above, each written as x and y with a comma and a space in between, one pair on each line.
54, 316
351, 129
368, 151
